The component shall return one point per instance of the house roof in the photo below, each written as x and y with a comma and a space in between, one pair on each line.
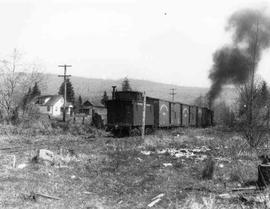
94, 103
52, 100
39, 99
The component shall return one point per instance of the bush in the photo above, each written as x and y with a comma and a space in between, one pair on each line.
208, 170
224, 115
75, 128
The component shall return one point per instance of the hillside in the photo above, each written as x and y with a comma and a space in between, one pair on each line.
94, 88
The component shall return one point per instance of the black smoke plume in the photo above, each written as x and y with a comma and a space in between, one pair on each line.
233, 64
230, 67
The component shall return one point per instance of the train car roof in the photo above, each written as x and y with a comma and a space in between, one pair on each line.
168, 101
153, 98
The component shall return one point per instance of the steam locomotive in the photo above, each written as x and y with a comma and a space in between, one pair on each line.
125, 114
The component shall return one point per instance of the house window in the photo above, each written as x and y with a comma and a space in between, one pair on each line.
48, 108
55, 108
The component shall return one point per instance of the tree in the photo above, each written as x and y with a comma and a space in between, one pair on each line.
26, 99
254, 131
36, 91
264, 94
224, 114
70, 95
80, 100
78, 104
104, 98
126, 85
251, 35
15, 80
30, 95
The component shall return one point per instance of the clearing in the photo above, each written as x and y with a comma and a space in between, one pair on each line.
162, 171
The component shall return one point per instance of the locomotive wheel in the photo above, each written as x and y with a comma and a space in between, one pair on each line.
135, 132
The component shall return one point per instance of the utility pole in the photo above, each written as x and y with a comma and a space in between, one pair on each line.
172, 93
65, 76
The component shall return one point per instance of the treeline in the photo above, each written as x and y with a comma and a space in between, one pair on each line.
236, 116
21, 82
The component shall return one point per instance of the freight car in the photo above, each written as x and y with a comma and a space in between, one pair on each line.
125, 110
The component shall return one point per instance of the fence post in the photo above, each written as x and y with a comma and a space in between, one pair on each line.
143, 116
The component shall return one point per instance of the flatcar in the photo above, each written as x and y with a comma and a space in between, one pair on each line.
125, 112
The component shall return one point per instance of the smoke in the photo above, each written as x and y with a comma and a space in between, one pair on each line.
233, 64
252, 29
230, 67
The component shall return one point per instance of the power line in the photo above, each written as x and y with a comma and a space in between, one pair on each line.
65, 76
172, 93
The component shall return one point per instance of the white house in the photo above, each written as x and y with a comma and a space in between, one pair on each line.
52, 105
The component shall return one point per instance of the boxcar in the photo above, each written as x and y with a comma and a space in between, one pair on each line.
192, 116
185, 115
206, 117
210, 117
199, 117
164, 114
125, 112
175, 114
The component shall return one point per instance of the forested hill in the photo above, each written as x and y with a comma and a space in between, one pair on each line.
93, 88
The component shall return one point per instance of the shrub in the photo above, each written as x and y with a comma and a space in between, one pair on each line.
235, 176
208, 170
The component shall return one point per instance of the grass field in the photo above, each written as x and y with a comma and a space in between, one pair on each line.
165, 170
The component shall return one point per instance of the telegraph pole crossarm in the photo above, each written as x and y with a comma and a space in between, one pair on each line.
65, 76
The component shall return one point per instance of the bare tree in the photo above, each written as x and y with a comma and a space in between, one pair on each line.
15, 80
251, 34
253, 121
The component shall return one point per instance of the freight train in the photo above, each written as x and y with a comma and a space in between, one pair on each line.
125, 112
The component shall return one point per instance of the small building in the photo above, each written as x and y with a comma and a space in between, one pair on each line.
52, 105
89, 108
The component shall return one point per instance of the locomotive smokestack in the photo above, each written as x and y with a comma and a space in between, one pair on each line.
113, 92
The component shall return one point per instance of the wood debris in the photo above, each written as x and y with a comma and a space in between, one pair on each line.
155, 200
34, 195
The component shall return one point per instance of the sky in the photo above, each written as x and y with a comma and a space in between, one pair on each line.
168, 41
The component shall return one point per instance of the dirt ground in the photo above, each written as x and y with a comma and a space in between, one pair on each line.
162, 171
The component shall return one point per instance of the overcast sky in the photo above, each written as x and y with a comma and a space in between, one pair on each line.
169, 41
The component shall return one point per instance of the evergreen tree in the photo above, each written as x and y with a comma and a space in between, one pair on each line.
125, 85
264, 93
70, 92
35, 91
80, 101
104, 98
78, 104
